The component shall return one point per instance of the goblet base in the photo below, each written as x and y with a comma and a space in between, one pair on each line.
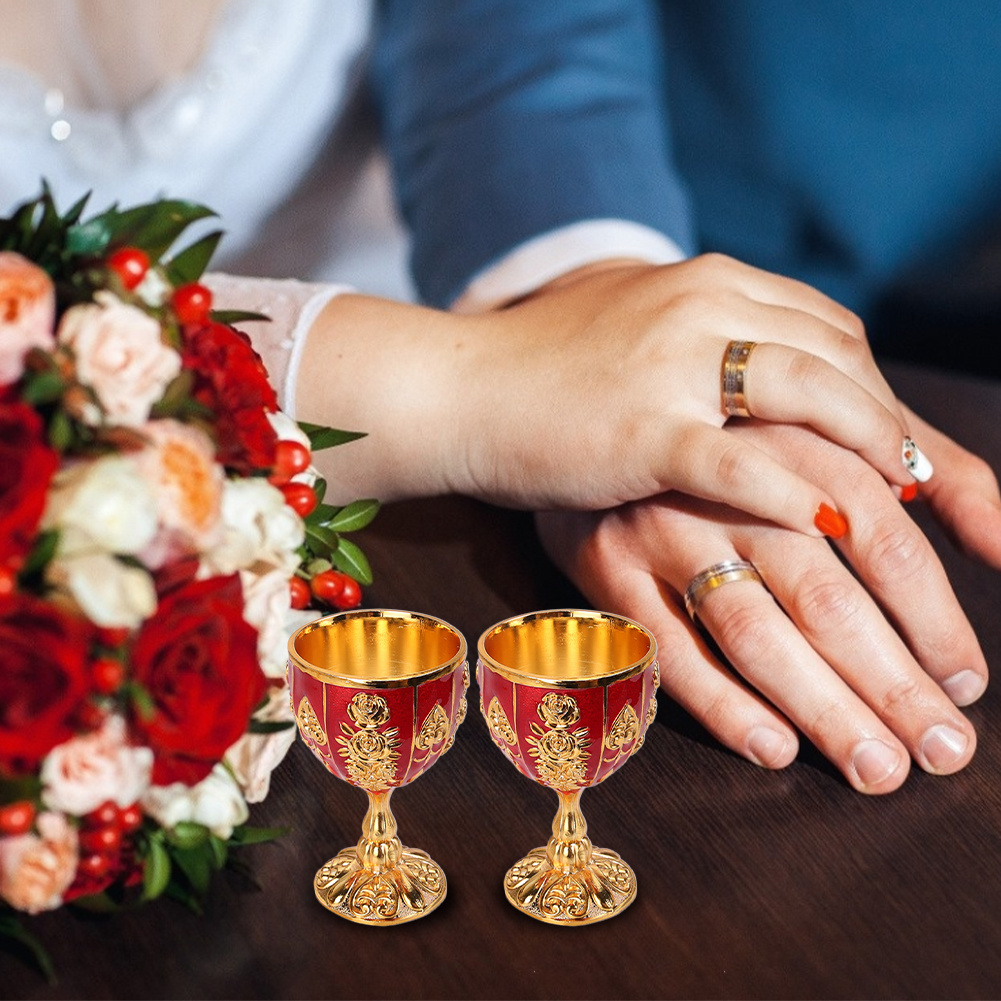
410, 889
582, 895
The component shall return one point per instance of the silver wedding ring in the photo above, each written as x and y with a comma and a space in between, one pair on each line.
732, 378
716, 576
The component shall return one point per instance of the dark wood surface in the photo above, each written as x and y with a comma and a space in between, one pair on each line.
751, 883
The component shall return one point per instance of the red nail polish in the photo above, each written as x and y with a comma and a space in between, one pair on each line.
830, 522
909, 492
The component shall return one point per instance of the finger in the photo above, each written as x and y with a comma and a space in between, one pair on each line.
771, 653
897, 564
739, 718
964, 496
716, 465
792, 386
846, 628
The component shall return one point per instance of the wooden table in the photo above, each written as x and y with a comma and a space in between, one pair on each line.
751, 883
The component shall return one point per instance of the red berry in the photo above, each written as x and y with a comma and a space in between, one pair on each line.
17, 818
192, 303
107, 675
300, 592
89, 716
94, 866
106, 815
131, 818
350, 596
130, 264
328, 585
300, 497
291, 457
8, 581
102, 840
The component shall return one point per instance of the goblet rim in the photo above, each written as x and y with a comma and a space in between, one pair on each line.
327, 676
545, 681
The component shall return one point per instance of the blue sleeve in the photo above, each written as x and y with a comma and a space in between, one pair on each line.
507, 118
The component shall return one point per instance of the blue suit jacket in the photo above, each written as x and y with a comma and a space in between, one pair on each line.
838, 141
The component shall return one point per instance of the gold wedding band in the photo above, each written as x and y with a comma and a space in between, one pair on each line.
716, 576
732, 377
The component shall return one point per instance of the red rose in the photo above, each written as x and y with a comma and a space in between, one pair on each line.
26, 468
232, 382
197, 658
44, 678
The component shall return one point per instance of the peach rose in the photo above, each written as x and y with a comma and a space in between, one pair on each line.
27, 313
187, 483
37, 869
120, 356
85, 772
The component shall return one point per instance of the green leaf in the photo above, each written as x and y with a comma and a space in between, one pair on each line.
155, 226
246, 835
89, 239
12, 929
354, 516
349, 558
321, 437
43, 387
233, 316
61, 431
263, 726
23, 787
322, 541
196, 865
321, 514
190, 263
176, 395
220, 851
41, 552
97, 903
187, 835
156, 869
141, 699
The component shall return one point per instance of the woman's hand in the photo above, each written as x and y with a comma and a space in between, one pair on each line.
601, 389
810, 649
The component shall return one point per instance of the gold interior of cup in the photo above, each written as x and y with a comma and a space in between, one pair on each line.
377, 647
568, 647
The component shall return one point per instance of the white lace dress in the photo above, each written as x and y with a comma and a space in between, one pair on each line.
265, 127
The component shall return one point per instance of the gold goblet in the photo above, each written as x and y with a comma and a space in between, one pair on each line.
377, 695
568, 696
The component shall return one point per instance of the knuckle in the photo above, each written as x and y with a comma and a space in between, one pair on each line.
732, 466
827, 603
898, 698
744, 633
894, 552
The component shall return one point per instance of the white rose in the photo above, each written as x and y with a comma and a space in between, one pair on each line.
256, 755
216, 802
259, 527
81, 774
266, 602
286, 428
120, 355
102, 505
108, 592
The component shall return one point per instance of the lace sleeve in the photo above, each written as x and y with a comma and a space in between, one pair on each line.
292, 305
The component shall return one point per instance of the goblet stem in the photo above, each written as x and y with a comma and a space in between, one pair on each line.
569, 847
379, 848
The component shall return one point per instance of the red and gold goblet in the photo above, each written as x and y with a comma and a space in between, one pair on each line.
377, 695
568, 696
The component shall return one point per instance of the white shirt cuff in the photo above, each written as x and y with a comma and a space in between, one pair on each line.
544, 258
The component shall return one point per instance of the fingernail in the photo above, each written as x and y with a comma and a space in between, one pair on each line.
914, 459
874, 762
830, 522
908, 493
942, 747
964, 687
767, 747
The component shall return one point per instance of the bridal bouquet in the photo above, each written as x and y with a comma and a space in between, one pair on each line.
159, 520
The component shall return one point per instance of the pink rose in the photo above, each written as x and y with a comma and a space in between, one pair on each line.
180, 468
36, 870
253, 758
120, 356
27, 313
86, 771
